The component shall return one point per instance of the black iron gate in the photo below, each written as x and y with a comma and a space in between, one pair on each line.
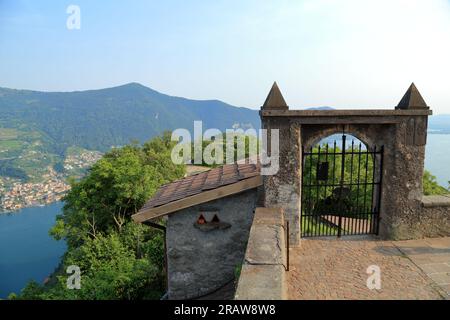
341, 188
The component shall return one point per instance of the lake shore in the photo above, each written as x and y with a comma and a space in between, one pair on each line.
28, 252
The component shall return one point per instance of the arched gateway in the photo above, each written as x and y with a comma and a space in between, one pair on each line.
341, 187
314, 201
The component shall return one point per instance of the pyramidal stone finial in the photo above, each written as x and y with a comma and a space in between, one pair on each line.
275, 99
412, 99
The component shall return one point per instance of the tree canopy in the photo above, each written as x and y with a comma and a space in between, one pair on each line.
118, 259
431, 186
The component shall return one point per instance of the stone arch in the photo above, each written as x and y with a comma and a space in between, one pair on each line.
360, 133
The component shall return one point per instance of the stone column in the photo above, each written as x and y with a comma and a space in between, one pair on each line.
283, 189
404, 171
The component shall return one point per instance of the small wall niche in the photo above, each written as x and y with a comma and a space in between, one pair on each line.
214, 224
201, 219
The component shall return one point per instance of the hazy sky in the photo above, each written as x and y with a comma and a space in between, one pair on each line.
346, 53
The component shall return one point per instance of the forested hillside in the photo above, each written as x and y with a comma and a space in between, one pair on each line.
99, 119
37, 128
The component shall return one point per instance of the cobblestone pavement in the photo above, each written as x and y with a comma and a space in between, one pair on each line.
331, 268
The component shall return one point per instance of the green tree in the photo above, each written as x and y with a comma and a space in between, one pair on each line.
111, 268
114, 189
118, 259
431, 186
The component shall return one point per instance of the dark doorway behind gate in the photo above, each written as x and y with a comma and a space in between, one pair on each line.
341, 188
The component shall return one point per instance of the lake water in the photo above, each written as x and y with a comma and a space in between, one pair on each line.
26, 250
437, 157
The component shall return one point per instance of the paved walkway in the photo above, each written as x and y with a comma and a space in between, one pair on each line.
334, 268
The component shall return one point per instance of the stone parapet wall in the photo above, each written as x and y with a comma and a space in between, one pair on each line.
434, 220
263, 272
431, 219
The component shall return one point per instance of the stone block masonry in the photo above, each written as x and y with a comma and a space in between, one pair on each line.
430, 219
401, 131
434, 219
263, 272
202, 261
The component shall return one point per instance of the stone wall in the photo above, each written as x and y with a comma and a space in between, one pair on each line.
401, 132
200, 261
263, 273
402, 179
283, 189
433, 220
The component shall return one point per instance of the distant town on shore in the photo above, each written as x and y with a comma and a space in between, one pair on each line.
52, 186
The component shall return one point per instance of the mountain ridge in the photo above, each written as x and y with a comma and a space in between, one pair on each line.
126, 86
116, 115
37, 128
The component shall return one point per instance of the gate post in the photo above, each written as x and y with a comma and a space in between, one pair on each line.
402, 187
282, 190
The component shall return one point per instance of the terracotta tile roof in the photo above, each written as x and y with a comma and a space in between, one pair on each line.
208, 180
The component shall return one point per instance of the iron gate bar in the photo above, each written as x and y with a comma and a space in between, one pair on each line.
317, 226
373, 191
365, 185
351, 179
301, 196
326, 160
341, 184
359, 176
347, 184
310, 179
378, 208
340, 153
334, 176
361, 217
